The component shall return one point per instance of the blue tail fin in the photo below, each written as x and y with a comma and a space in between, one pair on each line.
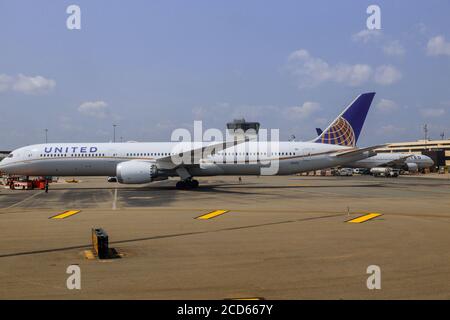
345, 129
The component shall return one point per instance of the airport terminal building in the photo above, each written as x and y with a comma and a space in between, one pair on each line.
438, 150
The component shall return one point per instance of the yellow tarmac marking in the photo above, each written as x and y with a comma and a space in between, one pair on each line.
65, 214
212, 214
364, 218
89, 255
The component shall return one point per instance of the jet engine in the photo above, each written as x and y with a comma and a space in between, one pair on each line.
130, 172
411, 167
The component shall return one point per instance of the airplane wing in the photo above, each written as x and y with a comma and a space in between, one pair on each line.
190, 156
397, 162
354, 152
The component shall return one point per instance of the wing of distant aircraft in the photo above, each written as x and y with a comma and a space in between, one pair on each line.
397, 162
354, 152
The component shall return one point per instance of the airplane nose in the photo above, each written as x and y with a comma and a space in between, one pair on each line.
3, 164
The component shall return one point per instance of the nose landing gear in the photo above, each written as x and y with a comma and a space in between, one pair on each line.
187, 184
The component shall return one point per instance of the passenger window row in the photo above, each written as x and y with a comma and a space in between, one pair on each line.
258, 153
149, 154
94, 155
62, 155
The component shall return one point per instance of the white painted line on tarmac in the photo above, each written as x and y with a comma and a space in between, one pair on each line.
22, 201
114, 205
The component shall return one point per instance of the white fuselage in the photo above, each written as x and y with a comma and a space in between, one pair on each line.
101, 159
394, 160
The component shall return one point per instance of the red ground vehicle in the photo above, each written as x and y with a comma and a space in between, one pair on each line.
21, 185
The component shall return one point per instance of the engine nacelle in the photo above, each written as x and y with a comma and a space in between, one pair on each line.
131, 172
411, 167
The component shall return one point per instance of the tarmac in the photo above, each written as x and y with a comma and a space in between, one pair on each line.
284, 237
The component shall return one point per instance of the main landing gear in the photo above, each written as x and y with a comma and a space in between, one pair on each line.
187, 184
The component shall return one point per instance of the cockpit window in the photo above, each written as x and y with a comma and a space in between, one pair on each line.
10, 155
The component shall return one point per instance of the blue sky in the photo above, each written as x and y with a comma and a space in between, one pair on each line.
154, 66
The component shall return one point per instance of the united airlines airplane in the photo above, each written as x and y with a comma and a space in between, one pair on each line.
404, 161
397, 160
135, 163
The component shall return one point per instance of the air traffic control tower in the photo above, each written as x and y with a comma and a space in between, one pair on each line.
243, 129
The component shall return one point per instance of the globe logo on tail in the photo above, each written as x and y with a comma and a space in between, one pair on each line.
341, 133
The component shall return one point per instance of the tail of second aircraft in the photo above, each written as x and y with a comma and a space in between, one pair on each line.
345, 129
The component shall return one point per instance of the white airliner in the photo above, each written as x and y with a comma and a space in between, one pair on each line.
404, 161
134, 163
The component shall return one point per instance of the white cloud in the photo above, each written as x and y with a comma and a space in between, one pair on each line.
390, 47
97, 109
30, 85
367, 35
312, 71
303, 111
386, 75
353, 75
394, 48
26, 84
386, 106
389, 130
438, 46
432, 112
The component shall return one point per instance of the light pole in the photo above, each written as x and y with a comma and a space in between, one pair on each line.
46, 135
425, 130
114, 135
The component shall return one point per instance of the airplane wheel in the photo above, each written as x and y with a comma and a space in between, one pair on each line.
181, 185
187, 184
